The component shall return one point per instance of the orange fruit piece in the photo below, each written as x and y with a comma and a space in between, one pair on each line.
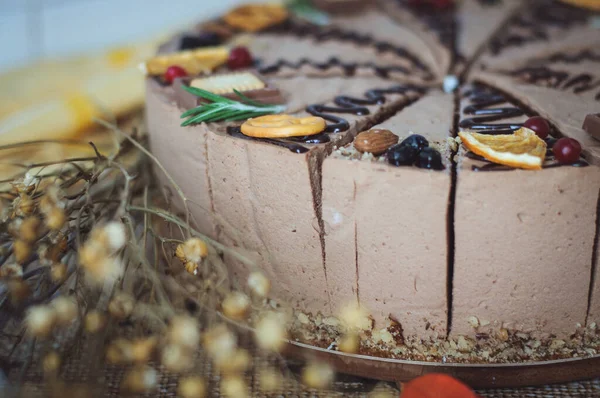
256, 17
523, 149
436, 385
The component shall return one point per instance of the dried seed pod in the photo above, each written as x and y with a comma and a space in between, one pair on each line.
107, 269
29, 229
236, 305
119, 351
234, 387
184, 331
65, 310
318, 375
142, 350
270, 380
140, 380
191, 387
219, 341
270, 332
55, 218
121, 306
115, 235
94, 321
23, 205
191, 267
51, 363
22, 251
40, 321
236, 363
11, 271
58, 272
193, 250
92, 253
259, 284
176, 358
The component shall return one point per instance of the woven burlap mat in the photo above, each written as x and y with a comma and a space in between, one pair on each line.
83, 367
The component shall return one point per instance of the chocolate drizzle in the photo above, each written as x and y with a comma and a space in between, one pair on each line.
533, 25
585, 55
345, 104
349, 69
556, 79
355, 106
482, 98
289, 143
321, 34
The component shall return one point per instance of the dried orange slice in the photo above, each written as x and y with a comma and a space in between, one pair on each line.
589, 4
523, 149
281, 126
255, 17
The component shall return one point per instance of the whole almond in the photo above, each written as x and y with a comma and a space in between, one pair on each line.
375, 141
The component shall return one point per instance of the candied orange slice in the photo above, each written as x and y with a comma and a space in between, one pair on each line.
523, 149
589, 4
281, 126
203, 59
256, 17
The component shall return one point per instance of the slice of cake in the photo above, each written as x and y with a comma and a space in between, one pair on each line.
564, 90
386, 234
518, 232
540, 29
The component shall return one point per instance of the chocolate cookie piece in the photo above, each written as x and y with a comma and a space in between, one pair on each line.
591, 124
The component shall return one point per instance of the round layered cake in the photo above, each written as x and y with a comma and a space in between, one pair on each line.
433, 162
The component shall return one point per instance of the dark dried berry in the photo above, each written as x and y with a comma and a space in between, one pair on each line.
204, 39
430, 158
402, 155
416, 141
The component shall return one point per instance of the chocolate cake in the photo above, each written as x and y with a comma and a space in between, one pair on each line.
438, 238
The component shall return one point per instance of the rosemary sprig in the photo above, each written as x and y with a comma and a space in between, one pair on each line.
224, 109
304, 9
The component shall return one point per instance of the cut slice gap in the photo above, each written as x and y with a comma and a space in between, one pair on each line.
593, 311
472, 39
436, 28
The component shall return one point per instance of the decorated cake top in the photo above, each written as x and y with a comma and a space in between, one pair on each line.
234, 71
412, 156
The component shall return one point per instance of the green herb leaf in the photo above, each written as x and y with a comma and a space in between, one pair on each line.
221, 108
304, 9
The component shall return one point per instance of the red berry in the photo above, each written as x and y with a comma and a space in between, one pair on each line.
539, 125
174, 71
436, 385
567, 150
239, 57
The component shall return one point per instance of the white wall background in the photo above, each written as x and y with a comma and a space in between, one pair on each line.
31, 29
